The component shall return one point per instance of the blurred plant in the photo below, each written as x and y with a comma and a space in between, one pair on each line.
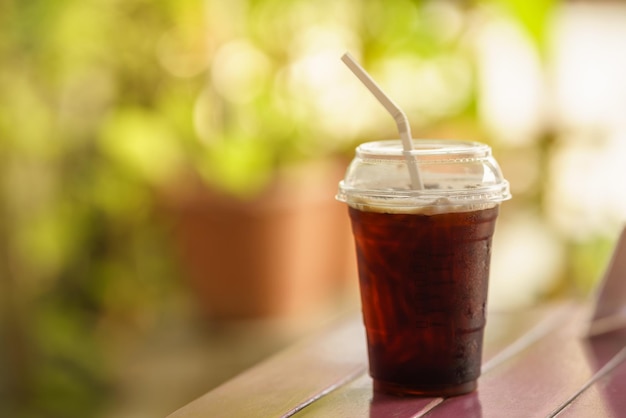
277, 94
83, 260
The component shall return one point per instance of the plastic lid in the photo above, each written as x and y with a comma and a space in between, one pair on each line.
454, 174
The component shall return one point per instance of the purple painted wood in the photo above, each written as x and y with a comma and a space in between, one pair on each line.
506, 335
289, 381
605, 396
537, 364
539, 381
356, 399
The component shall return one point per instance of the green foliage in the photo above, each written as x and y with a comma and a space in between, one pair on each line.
589, 260
535, 17
140, 141
68, 368
81, 141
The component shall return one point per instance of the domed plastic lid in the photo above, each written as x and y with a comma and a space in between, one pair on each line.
455, 174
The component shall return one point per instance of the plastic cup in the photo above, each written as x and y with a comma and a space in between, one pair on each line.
423, 260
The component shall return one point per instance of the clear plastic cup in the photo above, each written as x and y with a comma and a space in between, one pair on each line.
423, 259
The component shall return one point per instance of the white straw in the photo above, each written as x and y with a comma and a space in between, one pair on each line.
398, 115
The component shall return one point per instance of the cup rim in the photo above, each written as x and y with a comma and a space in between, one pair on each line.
391, 148
429, 152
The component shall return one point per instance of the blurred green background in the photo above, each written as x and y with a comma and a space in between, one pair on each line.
105, 105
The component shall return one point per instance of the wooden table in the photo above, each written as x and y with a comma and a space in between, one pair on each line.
536, 363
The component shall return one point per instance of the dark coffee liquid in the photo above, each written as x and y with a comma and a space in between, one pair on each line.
423, 281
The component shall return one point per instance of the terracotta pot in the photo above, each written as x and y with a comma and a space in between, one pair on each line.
287, 252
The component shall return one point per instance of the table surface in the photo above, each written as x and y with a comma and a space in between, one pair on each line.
537, 362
